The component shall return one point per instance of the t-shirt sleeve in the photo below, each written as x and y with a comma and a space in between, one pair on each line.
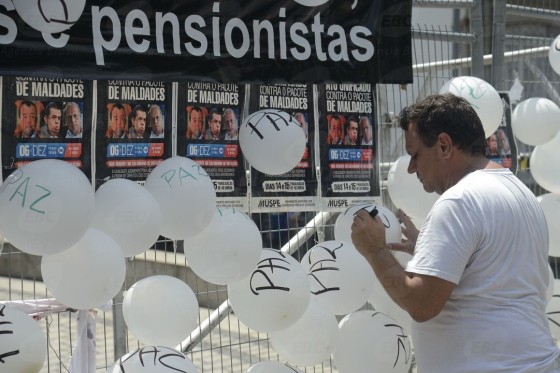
446, 242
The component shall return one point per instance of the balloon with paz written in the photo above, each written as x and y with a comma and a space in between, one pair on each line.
185, 194
88, 274
545, 165
341, 278
45, 206
554, 55
369, 339
227, 250
153, 359
272, 141
274, 296
23, 346
310, 340
129, 213
148, 297
550, 203
407, 192
343, 224
484, 99
535, 120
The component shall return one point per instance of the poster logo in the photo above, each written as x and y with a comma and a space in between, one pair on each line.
50, 16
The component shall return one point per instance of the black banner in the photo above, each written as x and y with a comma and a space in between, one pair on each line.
228, 41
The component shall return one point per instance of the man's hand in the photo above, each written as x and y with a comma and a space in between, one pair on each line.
409, 231
368, 234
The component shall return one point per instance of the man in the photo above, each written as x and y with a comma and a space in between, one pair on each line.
73, 120
492, 145
156, 122
194, 130
335, 131
475, 287
230, 123
365, 127
52, 116
214, 128
504, 147
26, 127
117, 122
138, 130
351, 137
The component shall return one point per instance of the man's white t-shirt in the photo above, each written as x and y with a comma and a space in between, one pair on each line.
488, 235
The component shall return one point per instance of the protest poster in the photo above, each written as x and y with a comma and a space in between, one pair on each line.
45, 118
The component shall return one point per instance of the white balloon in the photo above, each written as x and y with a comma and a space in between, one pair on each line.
545, 165
310, 340
554, 55
153, 359
341, 278
129, 213
50, 16
45, 206
535, 120
186, 196
22, 341
142, 310
382, 302
227, 250
274, 296
272, 367
343, 224
272, 141
88, 274
550, 287
484, 99
550, 203
407, 192
369, 339
553, 311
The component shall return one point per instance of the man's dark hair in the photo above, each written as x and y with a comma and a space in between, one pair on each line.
138, 108
446, 113
52, 105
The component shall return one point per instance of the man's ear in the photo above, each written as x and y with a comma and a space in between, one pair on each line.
445, 145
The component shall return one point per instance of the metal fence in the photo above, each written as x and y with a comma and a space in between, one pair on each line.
504, 42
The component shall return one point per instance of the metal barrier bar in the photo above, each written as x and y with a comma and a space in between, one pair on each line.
534, 13
443, 3
466, 61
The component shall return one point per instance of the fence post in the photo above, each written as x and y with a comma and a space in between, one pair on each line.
477, 28
498, 41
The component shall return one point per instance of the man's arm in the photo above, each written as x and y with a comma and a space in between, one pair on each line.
422, 296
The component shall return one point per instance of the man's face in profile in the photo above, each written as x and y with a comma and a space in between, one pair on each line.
28, 119
139, 122
353, 131
216, 125
231, 126
195, 123
366, 130
336, 130
118, 120
156, 121
53, 121
73, 119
